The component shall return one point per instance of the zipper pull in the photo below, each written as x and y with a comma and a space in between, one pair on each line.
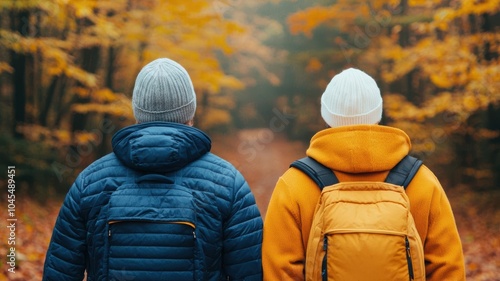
407, 246
324, 263
408, 258
109, 233
194, 235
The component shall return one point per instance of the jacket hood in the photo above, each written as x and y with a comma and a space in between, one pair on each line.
159, 146
359, 148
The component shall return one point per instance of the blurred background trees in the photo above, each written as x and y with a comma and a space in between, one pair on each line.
67, 70
437, 65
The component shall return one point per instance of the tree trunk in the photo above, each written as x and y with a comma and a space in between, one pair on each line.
30, 89
18, 62
56, 87
405, 84
60, 91
90, 62
490, 22
37, 70
103, 146
90, 58
494, 125
52, 98
111, 68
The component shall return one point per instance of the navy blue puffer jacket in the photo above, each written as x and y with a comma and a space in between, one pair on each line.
229, 227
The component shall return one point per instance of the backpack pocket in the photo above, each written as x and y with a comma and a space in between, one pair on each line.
151, 234
167, 249
368, 260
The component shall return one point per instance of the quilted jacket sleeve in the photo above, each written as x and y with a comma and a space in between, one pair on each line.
65, 258
243, 235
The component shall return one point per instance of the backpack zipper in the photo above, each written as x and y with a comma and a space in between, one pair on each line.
174, 222
194, 234
324, 270
408, 258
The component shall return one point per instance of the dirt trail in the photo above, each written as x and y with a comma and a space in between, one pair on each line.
262, 156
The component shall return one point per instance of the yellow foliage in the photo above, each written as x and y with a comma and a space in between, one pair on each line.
111, 103
306, 21
214, 117
104, 96
314, 65
348, 14
441, 80
81, 92
488, 6
55, 60
398, 108
486, 134
19, 5
79, 74
83, 8
105, 30
426, 145
189, 31
478, 174
85, 137
438, 104
443, 17
414, 3
224, 102
52, 137
450, 62
5, 67
470, 103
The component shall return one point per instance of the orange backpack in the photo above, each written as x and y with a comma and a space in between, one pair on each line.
363, 230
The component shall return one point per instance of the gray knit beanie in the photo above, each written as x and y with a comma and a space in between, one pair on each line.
163, 91
351, 98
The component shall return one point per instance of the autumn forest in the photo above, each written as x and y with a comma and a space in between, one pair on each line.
67, 69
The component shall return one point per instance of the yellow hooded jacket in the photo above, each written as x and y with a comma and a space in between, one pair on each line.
358, 153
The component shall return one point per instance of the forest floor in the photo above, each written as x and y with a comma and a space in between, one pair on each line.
262, 156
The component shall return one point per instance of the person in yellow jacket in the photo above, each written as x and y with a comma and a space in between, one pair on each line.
356, 148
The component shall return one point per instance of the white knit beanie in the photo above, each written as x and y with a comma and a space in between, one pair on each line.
163, 91
351, 98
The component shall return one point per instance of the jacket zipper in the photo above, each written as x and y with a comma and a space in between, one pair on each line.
324, 270
408, 258
194, 234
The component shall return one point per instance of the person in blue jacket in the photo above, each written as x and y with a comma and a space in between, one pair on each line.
113, 227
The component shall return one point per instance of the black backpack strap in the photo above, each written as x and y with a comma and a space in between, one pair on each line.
319, 173
404, 171
401, 174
